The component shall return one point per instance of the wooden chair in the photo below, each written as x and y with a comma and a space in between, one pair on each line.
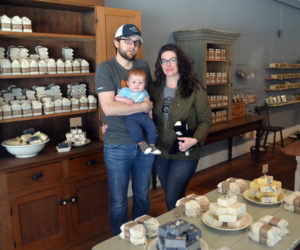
267, 127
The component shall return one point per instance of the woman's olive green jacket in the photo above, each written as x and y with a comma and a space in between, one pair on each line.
195, 110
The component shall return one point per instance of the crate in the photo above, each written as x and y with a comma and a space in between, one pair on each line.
238, 109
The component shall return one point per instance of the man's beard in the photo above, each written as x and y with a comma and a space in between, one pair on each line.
125, 56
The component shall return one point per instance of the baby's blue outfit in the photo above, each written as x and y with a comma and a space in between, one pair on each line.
139, 122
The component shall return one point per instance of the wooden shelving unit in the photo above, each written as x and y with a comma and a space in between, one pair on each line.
70, 196
201, 41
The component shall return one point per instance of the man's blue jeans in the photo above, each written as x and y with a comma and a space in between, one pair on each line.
121, 161
174, 176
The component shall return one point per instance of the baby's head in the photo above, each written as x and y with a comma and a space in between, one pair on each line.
136, 80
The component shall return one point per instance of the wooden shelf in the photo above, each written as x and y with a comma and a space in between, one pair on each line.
283, 104
217, 84
283, 67
281, 89
217, 60
21, 119
46, 36
44, 75
219, 107
282, 78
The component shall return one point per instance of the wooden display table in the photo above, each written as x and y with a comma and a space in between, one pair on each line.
294, 149
235, 240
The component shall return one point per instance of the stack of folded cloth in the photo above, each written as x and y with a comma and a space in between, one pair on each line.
268, 230
292, 202
236, 186
193, 204
133, 232
151, 225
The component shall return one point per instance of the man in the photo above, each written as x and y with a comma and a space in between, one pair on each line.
122, 156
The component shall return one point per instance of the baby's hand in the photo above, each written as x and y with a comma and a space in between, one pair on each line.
129, 102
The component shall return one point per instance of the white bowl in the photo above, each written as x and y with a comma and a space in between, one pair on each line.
24, 151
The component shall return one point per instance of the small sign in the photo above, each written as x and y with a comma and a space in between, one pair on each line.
75, 122
265, 168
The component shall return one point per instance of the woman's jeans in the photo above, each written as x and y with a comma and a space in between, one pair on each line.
121, 161
174, 176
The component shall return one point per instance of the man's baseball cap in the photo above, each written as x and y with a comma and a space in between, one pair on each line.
127, 30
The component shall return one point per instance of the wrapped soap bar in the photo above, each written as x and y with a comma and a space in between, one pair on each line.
151, 224
192, 209
212, 219
178, 227
227, 201
274, 221
202, 201
133, 232
267, 231
266, 242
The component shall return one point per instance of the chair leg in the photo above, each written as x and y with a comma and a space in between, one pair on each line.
274, 141
281, 138
266, 137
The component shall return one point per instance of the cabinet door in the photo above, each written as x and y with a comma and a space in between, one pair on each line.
90, 211
38, 220
108, 20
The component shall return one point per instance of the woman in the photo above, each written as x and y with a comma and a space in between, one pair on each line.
177, 96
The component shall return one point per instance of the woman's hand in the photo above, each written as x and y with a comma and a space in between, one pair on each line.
185, 143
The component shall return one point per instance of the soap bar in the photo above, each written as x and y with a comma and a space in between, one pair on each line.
63, 145
193, 233
227, 201
238, 209
178, 227
212, 219
265, 180
227, 218
239, 223
174, 241
217, 209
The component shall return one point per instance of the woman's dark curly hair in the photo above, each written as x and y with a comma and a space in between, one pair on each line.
188, 78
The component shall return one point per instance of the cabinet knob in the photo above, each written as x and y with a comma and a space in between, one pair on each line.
37, 176
91, 162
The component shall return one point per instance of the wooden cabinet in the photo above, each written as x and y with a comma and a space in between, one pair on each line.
211, 55
57, 200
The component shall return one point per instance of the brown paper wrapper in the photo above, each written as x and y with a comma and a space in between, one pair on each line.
17, 112
263, 231
37, 111
27, 111
274, 221
66, 107
34, 69
225, 186
296, 201
51, 69
69, 70
76, 68
6, 70
27, 26
16, 70
6, 113
5, 25
92, 105
49, 109
84, 68
16, 26
25, 70
129, 225
75, 106
143, 219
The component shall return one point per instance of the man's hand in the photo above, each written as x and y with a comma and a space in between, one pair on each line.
147, 104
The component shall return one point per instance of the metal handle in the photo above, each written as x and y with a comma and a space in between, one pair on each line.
37, 176
91, 162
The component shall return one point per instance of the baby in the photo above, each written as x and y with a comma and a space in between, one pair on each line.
139, 122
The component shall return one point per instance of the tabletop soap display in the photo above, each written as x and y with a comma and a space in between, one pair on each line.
227, 214
265, 190
268, 230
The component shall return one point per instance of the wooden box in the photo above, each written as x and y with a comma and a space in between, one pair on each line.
238, 109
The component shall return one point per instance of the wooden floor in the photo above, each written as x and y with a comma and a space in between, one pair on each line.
281, 166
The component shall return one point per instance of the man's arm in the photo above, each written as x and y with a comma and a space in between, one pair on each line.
110, 107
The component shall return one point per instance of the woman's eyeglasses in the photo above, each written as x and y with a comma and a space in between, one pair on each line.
171, 60
137, 43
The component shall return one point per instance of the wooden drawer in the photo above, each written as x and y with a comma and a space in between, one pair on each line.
86, 166
35, 178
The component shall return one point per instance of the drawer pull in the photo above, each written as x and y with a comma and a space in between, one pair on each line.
62, 202
69, 200
91, 162
73, 199
37, 176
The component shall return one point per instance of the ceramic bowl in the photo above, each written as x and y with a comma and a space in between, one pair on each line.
24, 151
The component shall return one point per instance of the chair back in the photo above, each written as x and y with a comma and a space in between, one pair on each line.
263, 110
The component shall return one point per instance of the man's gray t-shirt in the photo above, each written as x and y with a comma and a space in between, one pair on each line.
109, 76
